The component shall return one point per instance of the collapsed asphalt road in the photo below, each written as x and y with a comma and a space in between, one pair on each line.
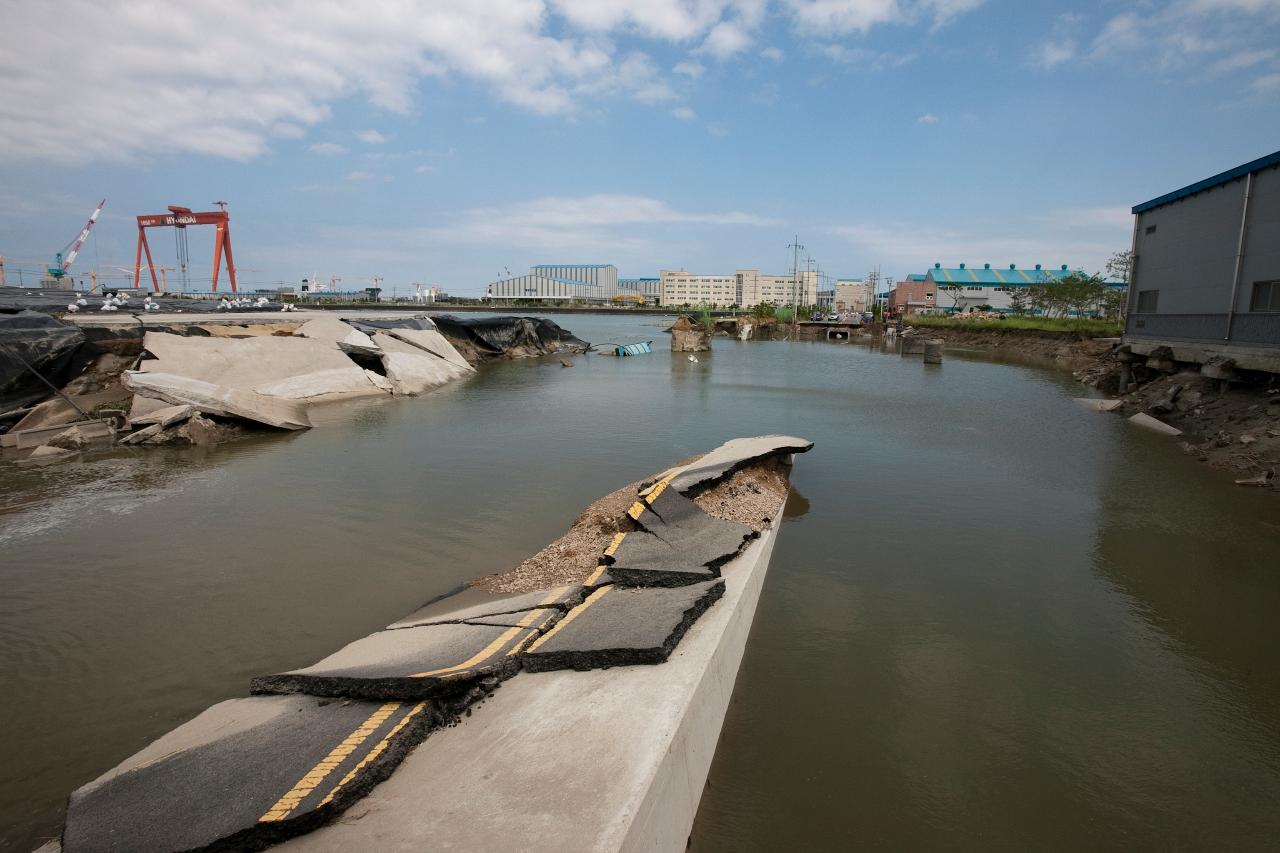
249, 773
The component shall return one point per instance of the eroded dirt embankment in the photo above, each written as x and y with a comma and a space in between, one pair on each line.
1232, 426
1070, 350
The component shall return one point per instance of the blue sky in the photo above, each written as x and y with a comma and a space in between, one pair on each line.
442, 142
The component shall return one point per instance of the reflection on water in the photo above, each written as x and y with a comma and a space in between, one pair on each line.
993, 620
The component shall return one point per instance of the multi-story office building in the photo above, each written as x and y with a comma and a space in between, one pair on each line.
744, 288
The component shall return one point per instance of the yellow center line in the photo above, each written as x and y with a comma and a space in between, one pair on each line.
375, 752
613, 546
570, 616
317, 774
637, 510
505, 637
594, 576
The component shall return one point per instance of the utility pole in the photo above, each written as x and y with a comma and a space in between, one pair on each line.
795, 248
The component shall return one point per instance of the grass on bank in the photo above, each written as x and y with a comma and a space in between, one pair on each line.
1094, 328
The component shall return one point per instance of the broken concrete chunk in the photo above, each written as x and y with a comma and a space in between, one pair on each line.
219, 400
411, 663
45, 451
245, 774
141, 435
1147, 422
167, 416
41, 435
413, 370
333, 330
289, 367
433, 342
72, 438
59, 411
1094, 404
616, 626
734, 454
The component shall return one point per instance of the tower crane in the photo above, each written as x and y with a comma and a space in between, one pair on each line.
67, 256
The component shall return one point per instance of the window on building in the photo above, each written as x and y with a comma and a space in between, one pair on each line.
1266, 296
1151, 229
1147, 300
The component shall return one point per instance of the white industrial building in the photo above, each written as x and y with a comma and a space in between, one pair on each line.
559, 283
744, 288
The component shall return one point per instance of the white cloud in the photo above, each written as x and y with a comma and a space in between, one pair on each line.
1081, 238
773, 54
1268, 84
1227, 34
848, 16
928, 118
371, 137
578, 222
252, 73
871, 60
1051, 54
423, 169
1244, 59
327, 148
360, 176
684, 113
726, 39
255, 72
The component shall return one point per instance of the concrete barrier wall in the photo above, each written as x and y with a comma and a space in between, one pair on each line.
608, 760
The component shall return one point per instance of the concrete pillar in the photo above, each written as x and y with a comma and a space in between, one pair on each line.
912, 345
933, 351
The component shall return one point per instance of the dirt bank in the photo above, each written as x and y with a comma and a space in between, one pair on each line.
1236, 430
1070, 350
1232, 427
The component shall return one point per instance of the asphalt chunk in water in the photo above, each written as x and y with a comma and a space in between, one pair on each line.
245, 774
617, 626
429, 661
733, 454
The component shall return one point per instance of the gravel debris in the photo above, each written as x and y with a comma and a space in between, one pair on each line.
749, 495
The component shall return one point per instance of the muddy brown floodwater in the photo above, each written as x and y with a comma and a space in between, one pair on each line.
994, 620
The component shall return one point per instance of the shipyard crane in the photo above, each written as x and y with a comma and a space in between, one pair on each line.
67, 256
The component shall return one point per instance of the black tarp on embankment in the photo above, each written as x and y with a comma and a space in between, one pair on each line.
483, 338
45, 344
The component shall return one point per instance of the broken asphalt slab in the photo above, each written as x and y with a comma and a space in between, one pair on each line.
441, 660
245, 774
617, 626
731, 455
448, 610
676, 543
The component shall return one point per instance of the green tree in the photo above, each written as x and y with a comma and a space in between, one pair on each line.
1019, 301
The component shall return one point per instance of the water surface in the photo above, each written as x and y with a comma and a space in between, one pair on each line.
1002, 621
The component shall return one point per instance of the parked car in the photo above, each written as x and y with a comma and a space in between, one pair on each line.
832, 317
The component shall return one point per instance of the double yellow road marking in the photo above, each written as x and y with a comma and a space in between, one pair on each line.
317, 774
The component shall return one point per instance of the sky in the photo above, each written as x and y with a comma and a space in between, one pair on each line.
444, 143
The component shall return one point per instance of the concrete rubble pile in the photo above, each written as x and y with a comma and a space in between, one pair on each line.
208, 384
248, 773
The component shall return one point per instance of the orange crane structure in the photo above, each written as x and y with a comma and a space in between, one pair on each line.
180, 218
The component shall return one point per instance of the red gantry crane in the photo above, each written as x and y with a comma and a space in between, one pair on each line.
180, 218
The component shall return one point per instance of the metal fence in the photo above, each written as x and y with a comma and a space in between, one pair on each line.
1259, 329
